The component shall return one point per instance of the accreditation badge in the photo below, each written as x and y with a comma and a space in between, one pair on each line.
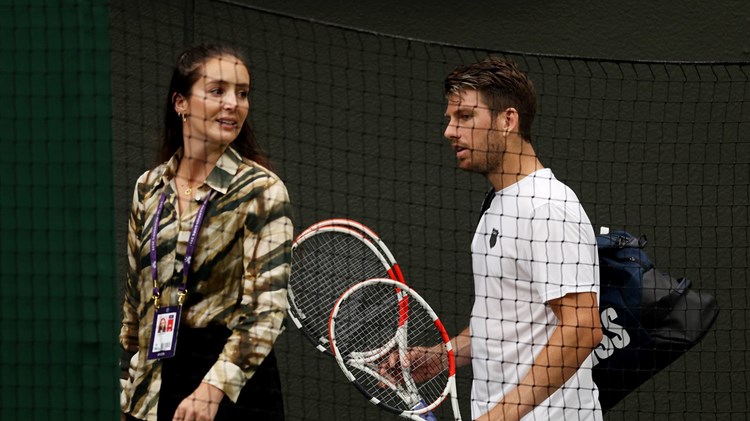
164, 332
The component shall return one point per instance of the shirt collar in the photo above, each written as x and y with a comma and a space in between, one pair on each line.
170, 169
224, 171
220, 177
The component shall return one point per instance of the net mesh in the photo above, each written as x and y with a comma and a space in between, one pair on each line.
352, 121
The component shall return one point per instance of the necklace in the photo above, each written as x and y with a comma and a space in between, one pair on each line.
188, 189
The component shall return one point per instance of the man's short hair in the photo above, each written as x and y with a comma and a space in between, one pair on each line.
502, 85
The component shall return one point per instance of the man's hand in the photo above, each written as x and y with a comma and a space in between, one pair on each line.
424, 363
201, 405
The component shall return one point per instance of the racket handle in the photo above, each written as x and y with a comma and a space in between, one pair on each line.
428, 416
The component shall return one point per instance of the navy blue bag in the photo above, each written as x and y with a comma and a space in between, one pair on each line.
649, 318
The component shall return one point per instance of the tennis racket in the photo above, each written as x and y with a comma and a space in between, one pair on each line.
327, 258
381, 332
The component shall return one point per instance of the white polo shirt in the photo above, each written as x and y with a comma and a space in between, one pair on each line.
534, 244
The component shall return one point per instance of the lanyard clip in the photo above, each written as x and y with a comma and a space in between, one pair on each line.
181, 293
155, 295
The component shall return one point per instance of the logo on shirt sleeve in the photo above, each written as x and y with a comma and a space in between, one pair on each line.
493, 237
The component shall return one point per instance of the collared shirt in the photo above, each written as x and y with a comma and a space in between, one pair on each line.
238, 274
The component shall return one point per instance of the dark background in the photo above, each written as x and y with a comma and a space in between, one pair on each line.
627, 30
643, 112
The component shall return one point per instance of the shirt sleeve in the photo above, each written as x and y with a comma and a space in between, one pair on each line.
130, 321
563, 250
267, 265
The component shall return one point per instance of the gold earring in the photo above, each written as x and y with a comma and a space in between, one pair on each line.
182, 116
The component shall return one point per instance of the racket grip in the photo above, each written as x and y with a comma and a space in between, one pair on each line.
428, 416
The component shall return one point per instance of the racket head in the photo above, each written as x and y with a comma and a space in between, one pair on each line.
327, 259
366, 232
364, 328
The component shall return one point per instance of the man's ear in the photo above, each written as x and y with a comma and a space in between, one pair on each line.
508, 121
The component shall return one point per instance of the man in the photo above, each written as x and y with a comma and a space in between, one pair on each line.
535, 318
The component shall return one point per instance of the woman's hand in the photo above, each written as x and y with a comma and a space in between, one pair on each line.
201, 405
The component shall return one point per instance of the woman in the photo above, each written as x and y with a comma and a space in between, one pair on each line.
217, 262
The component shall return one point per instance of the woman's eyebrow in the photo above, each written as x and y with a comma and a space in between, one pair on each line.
222, 81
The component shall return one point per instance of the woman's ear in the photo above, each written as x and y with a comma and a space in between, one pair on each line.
180, 104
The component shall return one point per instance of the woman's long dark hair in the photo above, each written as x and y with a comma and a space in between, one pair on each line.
187, 71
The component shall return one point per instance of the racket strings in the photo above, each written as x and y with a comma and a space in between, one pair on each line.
366, 321
367, 325
323, 267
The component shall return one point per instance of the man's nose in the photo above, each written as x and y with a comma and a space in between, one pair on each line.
451, 131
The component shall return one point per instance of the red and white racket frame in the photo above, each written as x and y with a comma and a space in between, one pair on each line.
405, 293
359, 231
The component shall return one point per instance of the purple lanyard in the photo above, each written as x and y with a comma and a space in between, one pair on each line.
188, 252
